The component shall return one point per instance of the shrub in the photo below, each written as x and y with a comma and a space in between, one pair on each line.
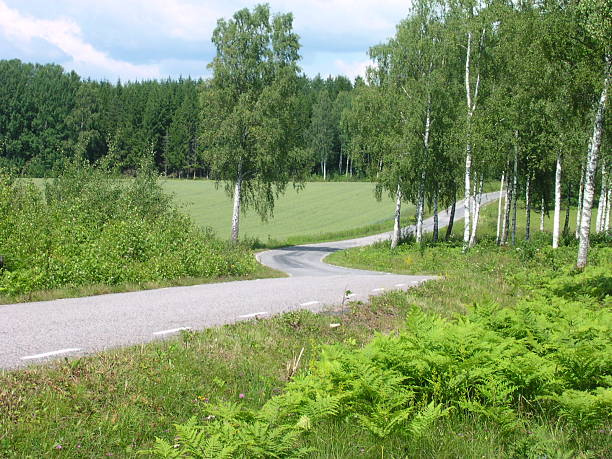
90, 227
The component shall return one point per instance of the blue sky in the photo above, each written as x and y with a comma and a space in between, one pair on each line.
140, 39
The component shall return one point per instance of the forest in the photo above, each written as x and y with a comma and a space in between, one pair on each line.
49, 115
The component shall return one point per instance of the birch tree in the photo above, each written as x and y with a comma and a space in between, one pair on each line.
250, 136
597, 22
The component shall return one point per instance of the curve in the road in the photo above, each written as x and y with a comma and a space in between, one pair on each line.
38, 332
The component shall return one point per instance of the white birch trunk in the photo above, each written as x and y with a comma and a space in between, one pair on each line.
607, 215
580, 196
395, 237
542, 216
467, 202
506, 220
527, 209
477, 202
591, 168
515, 189
420, 210
435, 217
602, 199
499, 208
236, 210
557, 214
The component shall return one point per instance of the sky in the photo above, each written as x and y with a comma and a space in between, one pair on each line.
145, 39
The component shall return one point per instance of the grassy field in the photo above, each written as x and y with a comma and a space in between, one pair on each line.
318, 209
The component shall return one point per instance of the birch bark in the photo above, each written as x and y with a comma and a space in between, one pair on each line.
514, 190
236, 210
467, 203
435, 217
395, 237
527, 209
602, 199
420, 209
499, 208
542, 216
477, 201
580, 196
507, 205
607, 217
591, 167
557, 214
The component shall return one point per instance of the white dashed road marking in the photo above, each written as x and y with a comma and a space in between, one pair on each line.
400, 285
309, 303
174, 330
50, 354
378, 290
255, 314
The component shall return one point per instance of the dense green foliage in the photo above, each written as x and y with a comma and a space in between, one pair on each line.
87, 227
547, 357
48, 115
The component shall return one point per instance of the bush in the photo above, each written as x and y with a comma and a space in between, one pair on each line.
90, 227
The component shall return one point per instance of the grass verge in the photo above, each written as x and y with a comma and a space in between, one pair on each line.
260, 272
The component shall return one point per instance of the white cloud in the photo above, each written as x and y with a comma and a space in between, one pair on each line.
136, 39
352, 69
66, 35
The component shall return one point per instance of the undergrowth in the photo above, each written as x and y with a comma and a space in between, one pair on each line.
545, 361
88, 228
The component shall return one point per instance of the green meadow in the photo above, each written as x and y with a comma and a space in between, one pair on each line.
320, 208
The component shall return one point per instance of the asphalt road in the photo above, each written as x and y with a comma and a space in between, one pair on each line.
32, 333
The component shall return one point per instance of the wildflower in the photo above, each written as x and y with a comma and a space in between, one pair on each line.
240, 395
58, 446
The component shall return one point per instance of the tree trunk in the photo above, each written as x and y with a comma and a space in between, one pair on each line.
467, 201
347, 165
557, 215
471, 105
476, 213
340, 163
591, 168
507, 208
542, 217
420, 210
451, 221
602, 199
395, 237
499, 208
527, 209
515, 189
567, 213
324, 170
435, 217
580, 196
237, 202
607, 216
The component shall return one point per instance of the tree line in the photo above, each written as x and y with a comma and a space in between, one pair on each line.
469, 91
465, 92
48, 116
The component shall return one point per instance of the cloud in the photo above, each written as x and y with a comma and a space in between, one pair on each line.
352, 69
67, 36
137, 39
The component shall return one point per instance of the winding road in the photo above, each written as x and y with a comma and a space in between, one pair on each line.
42, 331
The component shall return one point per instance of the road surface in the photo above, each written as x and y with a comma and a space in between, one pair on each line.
42, 331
